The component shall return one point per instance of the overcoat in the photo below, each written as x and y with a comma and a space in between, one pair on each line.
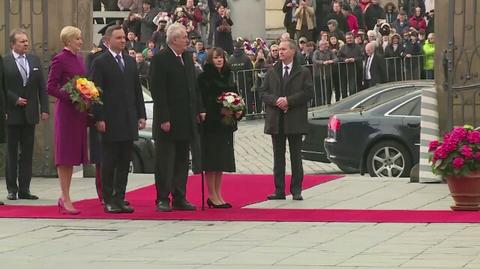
298, 90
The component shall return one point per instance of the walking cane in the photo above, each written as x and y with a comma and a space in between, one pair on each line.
203, 191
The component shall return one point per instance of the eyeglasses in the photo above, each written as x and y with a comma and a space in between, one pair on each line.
274, 50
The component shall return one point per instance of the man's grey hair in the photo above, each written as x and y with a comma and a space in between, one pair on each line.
321, 42
291, 43
174, 31
13, 34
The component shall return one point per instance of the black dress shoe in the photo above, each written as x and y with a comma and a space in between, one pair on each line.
164, 206
297, 197
183, 205
2, 203
112, 208
27, 196
276, 196
126, 209
12, 196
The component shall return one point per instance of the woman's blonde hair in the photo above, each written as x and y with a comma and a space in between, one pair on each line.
68, 33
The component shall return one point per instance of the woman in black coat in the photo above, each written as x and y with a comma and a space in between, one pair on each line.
223, 29
217, 137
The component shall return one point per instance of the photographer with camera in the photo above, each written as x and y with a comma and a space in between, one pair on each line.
290, 20
305, 15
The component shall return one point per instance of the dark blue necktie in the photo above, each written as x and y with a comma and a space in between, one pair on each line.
120, 62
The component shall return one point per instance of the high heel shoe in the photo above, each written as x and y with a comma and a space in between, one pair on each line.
66, 211
211, 204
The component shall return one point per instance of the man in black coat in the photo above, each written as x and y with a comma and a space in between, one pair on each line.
286, 91
373, 13
177, 110
25, 86
119, 118
374, 71
3, 112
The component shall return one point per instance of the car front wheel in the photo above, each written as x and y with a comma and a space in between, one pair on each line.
389, 159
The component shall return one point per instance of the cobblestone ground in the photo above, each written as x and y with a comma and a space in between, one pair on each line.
253, 152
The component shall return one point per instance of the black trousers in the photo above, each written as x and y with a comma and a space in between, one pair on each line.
116, 157
171, 168
291, 29
19, 163
279, 149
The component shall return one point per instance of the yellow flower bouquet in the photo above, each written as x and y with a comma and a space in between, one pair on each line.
83, 93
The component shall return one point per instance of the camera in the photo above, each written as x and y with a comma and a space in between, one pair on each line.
384, 29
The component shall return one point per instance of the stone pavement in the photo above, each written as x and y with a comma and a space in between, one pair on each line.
43, 243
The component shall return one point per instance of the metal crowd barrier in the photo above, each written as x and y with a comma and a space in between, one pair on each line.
331, 83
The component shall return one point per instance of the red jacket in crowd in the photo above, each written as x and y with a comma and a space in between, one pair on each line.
417, 23
352, 24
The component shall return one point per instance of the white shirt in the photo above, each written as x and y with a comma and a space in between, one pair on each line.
21, 61
115, 56
368, 64
177, 55
289, 68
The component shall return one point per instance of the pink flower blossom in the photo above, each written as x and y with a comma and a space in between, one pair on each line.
477, 155
473, 137
467, 152
458, 163
433, 145
440, 153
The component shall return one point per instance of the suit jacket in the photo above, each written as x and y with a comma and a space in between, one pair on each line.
288, 13
122, 97
298, 90
34, 91
176, 95
3, 104
377, 69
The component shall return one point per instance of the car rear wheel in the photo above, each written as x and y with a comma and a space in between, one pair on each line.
136, 166
389, 159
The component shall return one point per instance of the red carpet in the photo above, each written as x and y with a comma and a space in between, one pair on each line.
242, 190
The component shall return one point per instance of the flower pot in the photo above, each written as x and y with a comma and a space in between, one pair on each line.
465, 191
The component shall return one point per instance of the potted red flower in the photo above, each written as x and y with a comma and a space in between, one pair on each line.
457, 158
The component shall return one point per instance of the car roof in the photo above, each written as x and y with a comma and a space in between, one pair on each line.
353, 100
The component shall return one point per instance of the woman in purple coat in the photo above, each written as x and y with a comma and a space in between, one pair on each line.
70, 124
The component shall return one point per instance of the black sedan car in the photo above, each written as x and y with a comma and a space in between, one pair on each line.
383, 140
313, 148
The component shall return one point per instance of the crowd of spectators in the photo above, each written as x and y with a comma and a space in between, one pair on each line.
331, 37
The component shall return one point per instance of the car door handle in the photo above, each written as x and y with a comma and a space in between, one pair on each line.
413, 125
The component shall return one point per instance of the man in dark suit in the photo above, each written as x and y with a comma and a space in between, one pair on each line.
177, 109
3, 112
374, 67
25, 85
119, 118
286, 91
95, 138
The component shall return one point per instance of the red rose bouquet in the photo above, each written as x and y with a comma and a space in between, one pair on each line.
458, 153
233, 103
